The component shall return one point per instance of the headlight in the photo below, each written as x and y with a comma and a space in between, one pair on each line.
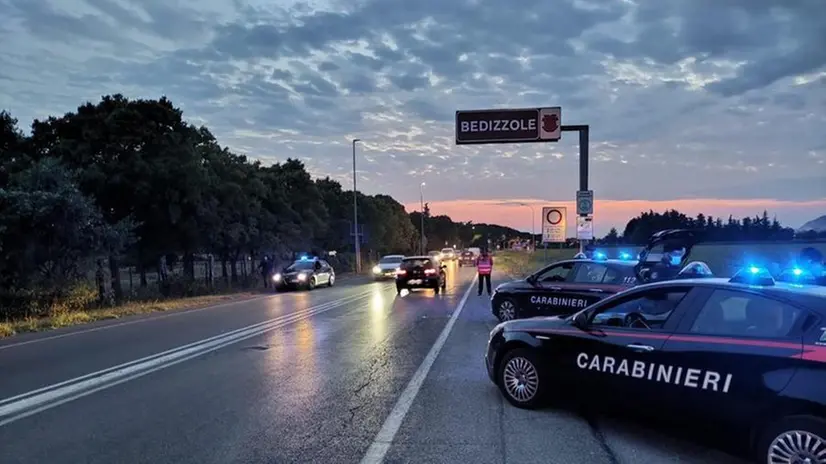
376, 270
276, 277
302, 277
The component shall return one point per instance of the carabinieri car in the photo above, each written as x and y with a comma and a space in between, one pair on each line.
746, 354
307, 273
567, 286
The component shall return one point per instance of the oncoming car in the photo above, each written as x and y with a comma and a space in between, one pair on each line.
421, 272
307, 273
747, 354
387, 266
448, 254
565, 287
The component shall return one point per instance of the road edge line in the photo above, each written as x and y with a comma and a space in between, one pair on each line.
384, 439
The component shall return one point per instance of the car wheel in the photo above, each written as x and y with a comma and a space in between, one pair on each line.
792, 440
311, 284
332, 281
506, 310
521, 379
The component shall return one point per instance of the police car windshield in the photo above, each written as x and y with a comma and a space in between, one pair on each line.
416, 263
391, 259
301, 266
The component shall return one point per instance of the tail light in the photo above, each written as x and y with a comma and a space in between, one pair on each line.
400, 272
430, 271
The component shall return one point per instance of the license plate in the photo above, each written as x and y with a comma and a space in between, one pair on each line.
415, 282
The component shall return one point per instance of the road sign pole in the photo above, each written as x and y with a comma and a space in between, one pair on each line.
584, 136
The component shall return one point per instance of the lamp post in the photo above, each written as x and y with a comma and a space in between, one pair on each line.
421, 199
356, 212
533, 225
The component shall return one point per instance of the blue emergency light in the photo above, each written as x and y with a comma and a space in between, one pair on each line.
797, 275
753, 275
624, 255
600, 256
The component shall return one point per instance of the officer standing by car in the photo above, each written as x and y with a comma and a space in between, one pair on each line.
484, 266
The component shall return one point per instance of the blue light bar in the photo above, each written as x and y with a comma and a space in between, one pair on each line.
624, 255
753, 275
598, 255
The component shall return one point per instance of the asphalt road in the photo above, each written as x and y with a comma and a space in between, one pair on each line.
314, 381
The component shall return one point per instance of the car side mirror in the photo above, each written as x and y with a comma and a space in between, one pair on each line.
580, 320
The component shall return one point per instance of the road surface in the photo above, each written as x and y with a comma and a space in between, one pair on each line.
346, 374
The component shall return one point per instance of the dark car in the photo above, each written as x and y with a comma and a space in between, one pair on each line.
745, 354
307, 273
467, 258
421, 272
567, 286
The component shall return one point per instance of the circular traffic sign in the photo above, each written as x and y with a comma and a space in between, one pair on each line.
556, 215
585, 204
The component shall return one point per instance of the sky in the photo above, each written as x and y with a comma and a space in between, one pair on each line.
713, 106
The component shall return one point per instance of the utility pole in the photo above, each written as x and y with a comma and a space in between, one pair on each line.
533, 225
421, 199
356, 237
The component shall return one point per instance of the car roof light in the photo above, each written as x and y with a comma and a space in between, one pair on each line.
753, 275
624, 255
600, 256
696, 269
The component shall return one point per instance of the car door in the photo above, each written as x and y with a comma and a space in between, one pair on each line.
542, 295
591, 282
619, 358
327, 270
737, 352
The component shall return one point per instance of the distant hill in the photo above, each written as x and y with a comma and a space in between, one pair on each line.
815, 225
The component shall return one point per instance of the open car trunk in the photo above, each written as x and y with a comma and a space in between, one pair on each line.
665, 254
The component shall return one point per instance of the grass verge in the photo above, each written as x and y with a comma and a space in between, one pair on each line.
70, 318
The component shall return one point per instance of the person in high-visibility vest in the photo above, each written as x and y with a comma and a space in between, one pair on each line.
484, 266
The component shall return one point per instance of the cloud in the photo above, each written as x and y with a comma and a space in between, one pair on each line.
686, 99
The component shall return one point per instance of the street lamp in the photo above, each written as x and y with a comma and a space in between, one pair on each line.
533, 225
421, 199
356, 212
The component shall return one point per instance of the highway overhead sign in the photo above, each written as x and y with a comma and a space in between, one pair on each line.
554, 224
585, 202
518, 125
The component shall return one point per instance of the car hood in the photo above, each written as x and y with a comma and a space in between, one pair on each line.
528, 324
513, 285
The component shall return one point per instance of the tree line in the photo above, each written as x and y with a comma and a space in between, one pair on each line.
715, 229
126, 182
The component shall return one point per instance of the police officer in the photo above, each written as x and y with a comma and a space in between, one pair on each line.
484, 266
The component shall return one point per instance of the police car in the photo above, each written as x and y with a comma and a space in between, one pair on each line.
567, 286
307, 273
746, 353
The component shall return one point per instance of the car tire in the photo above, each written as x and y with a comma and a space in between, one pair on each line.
521, 378
311, 284
332, 280
801, 435
507, 310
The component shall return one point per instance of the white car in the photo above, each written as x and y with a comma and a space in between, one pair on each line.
387, 266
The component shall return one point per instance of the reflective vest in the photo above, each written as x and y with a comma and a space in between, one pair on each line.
484, 265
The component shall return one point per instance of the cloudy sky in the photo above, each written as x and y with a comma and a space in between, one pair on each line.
704, 105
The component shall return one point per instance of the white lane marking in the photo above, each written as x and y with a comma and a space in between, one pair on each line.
345, 300
381, 444
121, 324
138, 321
57, 396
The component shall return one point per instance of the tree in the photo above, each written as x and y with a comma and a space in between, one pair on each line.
49, 229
